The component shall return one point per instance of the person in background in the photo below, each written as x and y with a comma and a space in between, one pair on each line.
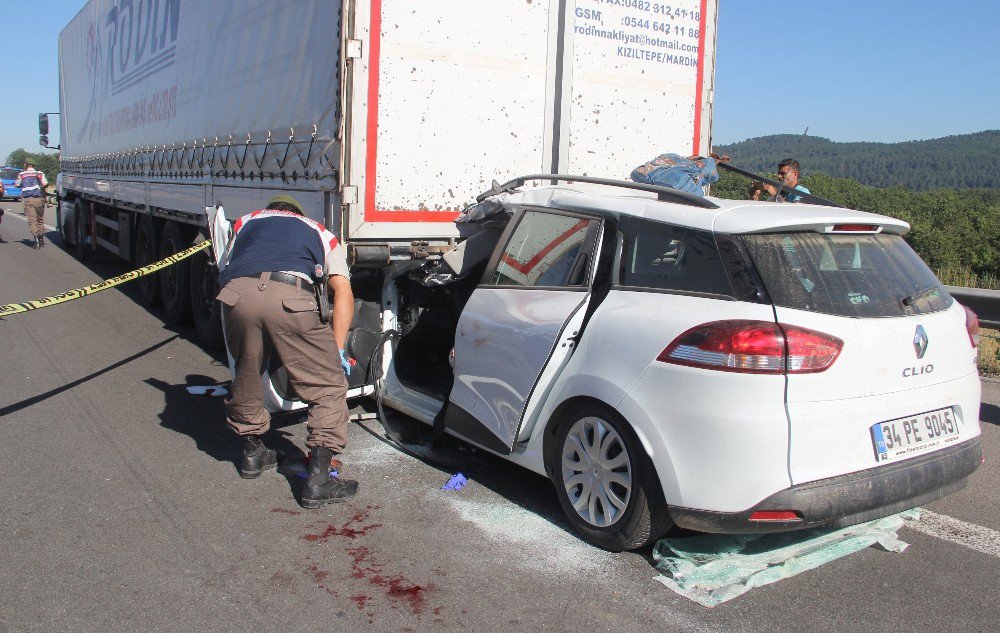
269, 304
33, 184
788, 173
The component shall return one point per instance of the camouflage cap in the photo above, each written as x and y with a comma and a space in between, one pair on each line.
286, 199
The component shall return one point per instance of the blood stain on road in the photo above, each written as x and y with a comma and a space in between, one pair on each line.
360, 600
397, 588
352, 529
319, 577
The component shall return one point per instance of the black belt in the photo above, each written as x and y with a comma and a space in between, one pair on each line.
287, 278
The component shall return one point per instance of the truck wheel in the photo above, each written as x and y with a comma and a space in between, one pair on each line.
207, 312
145, 254
79, 231
174, 279
605, 482
59, 224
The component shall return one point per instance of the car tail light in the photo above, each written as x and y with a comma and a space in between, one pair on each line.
855, 228
753, 347
972, 326
775, 515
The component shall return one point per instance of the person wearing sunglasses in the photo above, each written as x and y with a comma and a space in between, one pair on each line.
788, 173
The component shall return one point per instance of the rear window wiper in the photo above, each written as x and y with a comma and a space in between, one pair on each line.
910, 299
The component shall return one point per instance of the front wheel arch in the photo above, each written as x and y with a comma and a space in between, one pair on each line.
647, 516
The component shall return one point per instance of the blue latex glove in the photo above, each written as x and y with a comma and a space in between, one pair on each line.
457, 482
344, 362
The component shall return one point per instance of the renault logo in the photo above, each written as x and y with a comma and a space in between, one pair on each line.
920, 341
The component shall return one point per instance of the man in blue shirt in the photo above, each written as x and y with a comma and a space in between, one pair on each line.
788, 173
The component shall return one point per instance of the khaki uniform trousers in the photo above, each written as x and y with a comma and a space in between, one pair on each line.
34, 209
265, 317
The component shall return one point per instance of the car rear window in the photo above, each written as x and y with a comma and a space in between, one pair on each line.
855, 275
9, 173
661, 256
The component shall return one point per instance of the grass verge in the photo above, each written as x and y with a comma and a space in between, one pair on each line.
989, 352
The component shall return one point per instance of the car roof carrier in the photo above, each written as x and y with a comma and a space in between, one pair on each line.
663, 194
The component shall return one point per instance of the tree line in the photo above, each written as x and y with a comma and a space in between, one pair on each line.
951, 229
46, 163
965, 161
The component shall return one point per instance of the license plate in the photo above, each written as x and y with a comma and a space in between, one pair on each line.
914, 434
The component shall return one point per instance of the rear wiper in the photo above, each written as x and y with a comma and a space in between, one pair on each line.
909, 299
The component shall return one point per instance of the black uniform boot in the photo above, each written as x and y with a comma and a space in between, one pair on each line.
41, 241
256, 457
321, 488
37, 245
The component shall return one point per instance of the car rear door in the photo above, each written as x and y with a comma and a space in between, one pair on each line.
905, 382
520, 323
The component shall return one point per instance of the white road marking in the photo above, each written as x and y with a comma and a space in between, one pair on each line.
15, 214
950, 529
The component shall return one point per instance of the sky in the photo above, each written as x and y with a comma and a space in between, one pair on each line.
848, 70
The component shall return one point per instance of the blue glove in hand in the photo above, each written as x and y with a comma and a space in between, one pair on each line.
344, 362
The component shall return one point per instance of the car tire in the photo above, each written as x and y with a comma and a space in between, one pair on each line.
596, 448
145, 253
205, 308
175, 279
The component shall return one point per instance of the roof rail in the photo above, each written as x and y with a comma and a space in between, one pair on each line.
663, 194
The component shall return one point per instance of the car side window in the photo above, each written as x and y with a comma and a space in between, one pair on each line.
661, 256
545, 249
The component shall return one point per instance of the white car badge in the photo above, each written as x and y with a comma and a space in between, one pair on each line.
920, 341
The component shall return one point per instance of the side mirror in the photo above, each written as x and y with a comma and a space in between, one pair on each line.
43, 140
43, 125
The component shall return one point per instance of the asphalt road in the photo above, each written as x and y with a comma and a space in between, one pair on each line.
123, 511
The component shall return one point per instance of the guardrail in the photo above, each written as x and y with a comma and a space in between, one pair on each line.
985, 303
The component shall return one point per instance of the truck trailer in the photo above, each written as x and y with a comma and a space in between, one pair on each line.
386, 119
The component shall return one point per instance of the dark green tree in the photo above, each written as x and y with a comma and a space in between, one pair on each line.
46, 163
949, 228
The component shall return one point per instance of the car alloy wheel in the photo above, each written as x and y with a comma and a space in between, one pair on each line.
597, 471
605, 482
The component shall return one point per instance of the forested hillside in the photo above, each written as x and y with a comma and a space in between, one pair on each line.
952, 229
960, 162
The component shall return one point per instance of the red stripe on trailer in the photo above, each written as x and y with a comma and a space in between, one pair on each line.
373, 214
700, 79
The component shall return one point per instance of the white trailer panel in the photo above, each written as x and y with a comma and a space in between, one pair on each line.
640, 83
448, 96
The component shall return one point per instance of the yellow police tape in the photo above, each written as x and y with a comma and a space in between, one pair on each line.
17, 308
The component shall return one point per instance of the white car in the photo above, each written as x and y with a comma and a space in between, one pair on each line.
667, 359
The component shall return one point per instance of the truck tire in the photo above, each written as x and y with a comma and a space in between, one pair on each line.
145, 254
176, 278
59, 225
205, 309
79, 231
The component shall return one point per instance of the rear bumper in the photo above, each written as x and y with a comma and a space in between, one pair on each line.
849, 499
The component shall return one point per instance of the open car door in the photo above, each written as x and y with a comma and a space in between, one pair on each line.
519, 326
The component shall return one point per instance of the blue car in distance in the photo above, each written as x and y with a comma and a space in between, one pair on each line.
8, 175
